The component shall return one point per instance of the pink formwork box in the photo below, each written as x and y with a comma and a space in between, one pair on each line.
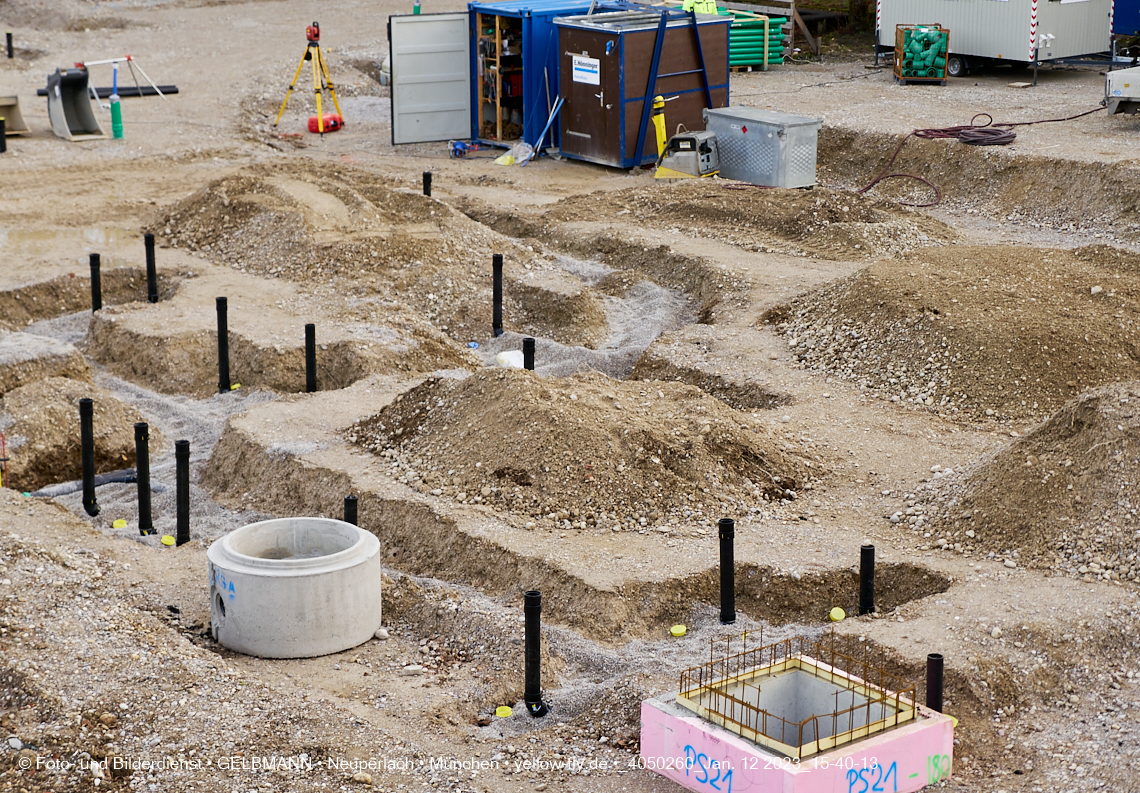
705, 757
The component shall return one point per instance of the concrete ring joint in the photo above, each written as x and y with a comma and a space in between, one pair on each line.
294, 587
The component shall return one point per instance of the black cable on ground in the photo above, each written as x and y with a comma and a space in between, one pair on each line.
988, 133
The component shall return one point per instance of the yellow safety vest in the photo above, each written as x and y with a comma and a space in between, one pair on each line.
700, 6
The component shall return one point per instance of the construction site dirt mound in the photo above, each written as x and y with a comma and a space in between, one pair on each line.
41, 423
828, 223
979, 333
369, 235
1045, 189
1061, 496
25, 358
581, 451
305, 222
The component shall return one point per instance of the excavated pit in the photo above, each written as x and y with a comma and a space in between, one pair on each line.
298, 463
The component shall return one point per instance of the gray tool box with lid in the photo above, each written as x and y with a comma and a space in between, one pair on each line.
764, 147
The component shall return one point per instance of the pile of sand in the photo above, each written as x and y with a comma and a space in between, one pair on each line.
583, 449
822, 222
41, 422
330, 223
1065, 495
998, 333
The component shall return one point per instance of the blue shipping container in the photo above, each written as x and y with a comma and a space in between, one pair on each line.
1126, 18
539, 63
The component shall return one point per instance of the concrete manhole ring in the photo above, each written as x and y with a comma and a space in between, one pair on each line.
294, 587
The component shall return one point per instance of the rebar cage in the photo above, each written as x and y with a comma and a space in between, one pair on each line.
861, 698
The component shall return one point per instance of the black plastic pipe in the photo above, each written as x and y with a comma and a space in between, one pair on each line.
3, 137
310, 358
151, 273
427, 183
11, 49
96, 284
182, 492
223, 346
528, 353
87, 444
142, 476
497, 294
727, 531
125, 91
867, 579
532, 692
934, 681
351, 513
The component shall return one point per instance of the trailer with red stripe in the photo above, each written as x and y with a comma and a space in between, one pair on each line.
1014, 32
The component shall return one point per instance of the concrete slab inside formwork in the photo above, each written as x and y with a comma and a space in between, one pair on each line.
695, 753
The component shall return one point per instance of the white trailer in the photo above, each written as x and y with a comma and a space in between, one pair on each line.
1017, 32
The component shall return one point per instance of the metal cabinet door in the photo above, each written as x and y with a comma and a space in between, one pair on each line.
431, 77
590, 83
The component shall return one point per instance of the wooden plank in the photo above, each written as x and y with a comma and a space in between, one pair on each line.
482, 62
498, 79
776, 9
811, 42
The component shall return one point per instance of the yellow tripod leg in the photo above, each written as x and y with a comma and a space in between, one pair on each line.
288, 93
332, 88
317, 91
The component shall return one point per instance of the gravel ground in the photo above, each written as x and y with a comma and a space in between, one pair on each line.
103, 641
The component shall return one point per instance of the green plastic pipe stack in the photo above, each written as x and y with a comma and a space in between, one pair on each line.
747, 37
924, 53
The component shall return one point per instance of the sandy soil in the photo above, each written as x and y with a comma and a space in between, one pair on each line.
103, 634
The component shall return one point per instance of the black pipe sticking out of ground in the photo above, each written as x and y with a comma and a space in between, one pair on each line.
934, 681
867, 579
96, 284
528, 353
532, 693
182, 492
497, 294
3, 137
11, 49
223, 346
310, 358
87, 443
351, 514
142, 477
727, 530
427, 183
151, 273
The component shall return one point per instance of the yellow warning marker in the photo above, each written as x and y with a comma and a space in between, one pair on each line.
235, 386
837, 614
503, 711
119, 524
167, 539
678, 630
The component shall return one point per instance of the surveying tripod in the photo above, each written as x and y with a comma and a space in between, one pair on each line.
321, 77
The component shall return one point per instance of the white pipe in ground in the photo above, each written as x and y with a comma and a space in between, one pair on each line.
294, 587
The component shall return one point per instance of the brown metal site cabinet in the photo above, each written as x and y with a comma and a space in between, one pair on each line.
605, 64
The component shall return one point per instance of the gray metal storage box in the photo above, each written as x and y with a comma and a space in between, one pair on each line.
763, 147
